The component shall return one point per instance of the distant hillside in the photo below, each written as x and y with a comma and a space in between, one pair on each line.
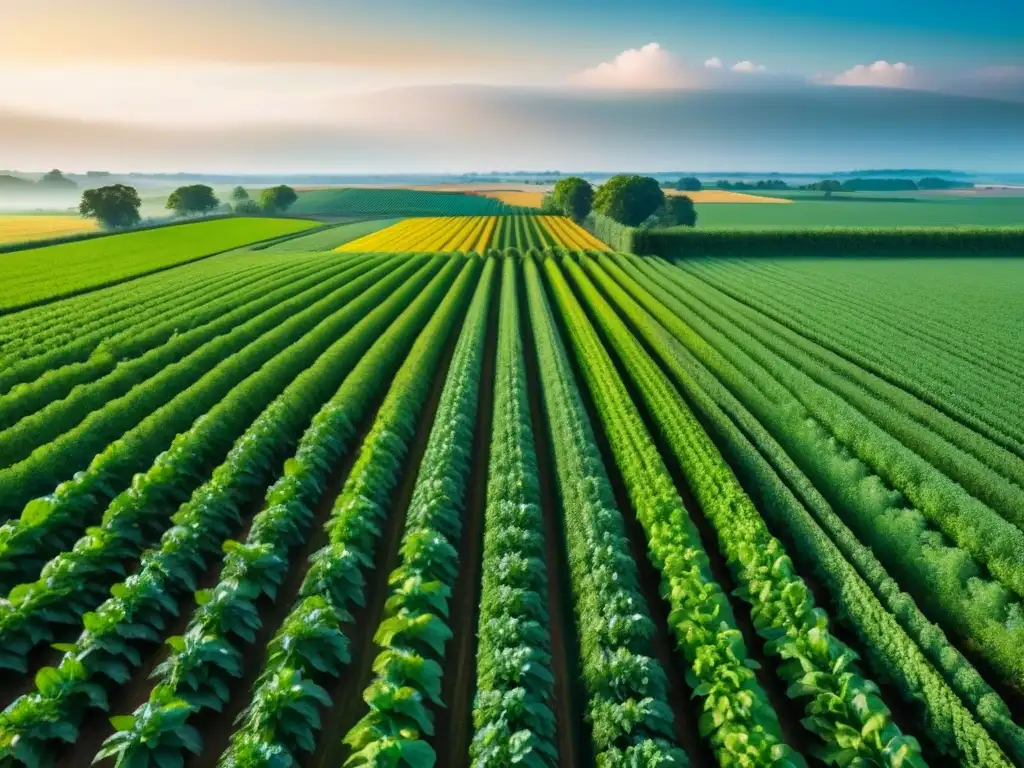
13, 182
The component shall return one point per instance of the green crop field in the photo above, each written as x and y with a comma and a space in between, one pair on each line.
306, 507
39, 274
329, 239
863, 211
353, 201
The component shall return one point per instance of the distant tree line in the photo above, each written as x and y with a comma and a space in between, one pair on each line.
117, 206
858, 184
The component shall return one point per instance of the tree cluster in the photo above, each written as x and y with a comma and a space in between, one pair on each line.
640, 201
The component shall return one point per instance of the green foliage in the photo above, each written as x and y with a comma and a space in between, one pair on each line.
41, 275
890, 649
278, 199
116, 206
737, 717
192, 199
336, 574
512, 717
247, 208
843, 708
832, 243
624, 683
239, 193
397, 202
413, 632
679, 211
629, 200
618, 236
573, 197
689, 184
139, 607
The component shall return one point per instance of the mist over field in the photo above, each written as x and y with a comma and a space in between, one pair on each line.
466, 128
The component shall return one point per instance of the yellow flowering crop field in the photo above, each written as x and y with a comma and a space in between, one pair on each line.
465, 234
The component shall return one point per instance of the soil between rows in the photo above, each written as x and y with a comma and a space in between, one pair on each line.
572, 732
453, 723
347, 691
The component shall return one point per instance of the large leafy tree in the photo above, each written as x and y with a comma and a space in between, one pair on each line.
573, 197
193, 199
689, 184
629, 200
116, 206
238, 194
278, 199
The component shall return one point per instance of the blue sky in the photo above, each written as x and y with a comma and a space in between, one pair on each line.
213, 64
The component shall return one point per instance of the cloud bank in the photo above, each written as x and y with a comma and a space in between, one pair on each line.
652, 68
881, 73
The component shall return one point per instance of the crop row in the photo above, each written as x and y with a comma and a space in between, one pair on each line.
682, 530
140, 607
932, 358
512, 716
901, 642
413, 632
203, 665
972, 589
42, 412
629, 716
31, 277
310, 647
477, 233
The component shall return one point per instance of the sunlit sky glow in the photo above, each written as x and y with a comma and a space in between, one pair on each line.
201, 64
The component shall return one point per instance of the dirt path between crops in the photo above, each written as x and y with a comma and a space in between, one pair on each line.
454, 721
347, 691
216, 728
127, 697
572, 733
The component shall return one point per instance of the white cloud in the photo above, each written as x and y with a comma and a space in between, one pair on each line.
880, 74
648, 68
748, 66
713, 63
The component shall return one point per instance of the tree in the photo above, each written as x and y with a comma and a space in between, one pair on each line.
56, 179
629, 200
689, 184
679, 211
238, 194
193, 199
829, 186
573, 197
248, 208
115, 206
277, 199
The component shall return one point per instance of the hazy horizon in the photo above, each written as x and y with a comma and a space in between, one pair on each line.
258, 87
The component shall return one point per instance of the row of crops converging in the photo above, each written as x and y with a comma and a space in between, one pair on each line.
574, 508
465, 234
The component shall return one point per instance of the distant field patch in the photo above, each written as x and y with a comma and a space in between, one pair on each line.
352, 201
724, 196
865, 212
25, 228
520, 198
330, 239
39, 274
